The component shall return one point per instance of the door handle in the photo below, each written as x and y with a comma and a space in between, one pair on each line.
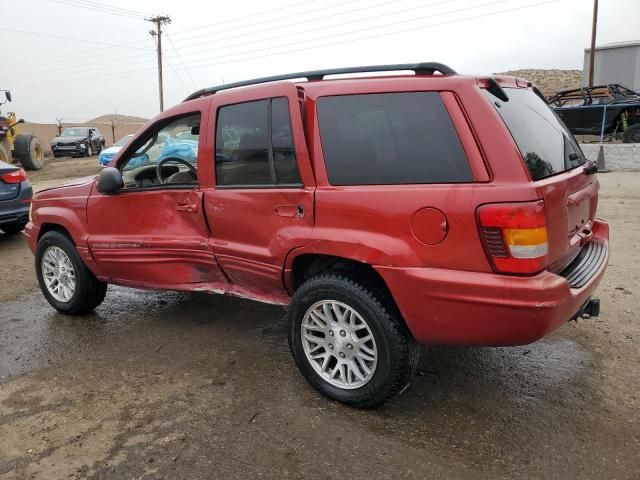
289, 210
187, 207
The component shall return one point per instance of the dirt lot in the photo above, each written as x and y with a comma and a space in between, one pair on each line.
167, 385
16, 267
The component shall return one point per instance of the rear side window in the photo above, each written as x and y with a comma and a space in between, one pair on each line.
390, 138
545, 143
254, 145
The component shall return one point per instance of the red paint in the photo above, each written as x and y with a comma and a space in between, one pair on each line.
422, 239
429, 226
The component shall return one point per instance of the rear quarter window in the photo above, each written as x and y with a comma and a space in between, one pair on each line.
544, 141
390, 138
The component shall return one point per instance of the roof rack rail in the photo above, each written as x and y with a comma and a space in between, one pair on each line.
427, 68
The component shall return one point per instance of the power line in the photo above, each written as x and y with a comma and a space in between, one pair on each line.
125, 45
98, 7
334, 25
377, 35
262, 40
65, 69
61, 37
76, 55
98, 65
181, 61
370, 28
235, 19
282, 18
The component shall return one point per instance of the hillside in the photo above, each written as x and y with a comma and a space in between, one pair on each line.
118, 119
549, 81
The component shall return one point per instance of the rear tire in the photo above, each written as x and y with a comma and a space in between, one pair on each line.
632, 134
28, 150
60, 258
12, 228
392, 346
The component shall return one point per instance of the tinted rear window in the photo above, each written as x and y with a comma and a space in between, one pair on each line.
390, 138
544, 141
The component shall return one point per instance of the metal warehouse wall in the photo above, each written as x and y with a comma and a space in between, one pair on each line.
615, 64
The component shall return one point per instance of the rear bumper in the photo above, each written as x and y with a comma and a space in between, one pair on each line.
16, 210
19, 214
451, 307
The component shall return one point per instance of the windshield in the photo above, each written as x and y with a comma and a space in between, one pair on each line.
545, 143
74, 132
123, 141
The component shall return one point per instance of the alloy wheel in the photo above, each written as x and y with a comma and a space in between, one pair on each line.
58, 274
339, 344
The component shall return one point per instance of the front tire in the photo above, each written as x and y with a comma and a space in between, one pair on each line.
28, 150
66, 282
349, 343
89, 150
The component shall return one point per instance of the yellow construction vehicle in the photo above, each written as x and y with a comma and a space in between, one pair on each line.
18, 147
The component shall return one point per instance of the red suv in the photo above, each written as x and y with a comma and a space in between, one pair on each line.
385, 211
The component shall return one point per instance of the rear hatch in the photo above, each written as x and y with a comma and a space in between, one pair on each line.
9, 189
555, 163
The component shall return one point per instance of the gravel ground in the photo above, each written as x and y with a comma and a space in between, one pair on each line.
169, 385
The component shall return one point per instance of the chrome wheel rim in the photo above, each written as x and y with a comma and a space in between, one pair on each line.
58, 274
339, 344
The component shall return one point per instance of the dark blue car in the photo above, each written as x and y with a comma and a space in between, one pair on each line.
15, 198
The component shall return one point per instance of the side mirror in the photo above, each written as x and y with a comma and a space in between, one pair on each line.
109, 181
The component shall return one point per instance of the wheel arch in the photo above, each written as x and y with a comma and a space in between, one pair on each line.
54, 227
307, 265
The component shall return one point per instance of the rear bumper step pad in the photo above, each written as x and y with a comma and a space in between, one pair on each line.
586, 264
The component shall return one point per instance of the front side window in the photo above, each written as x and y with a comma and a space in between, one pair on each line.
167, 155
254, 145
390, 138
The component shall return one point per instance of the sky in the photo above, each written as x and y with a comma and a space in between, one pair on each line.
78, 59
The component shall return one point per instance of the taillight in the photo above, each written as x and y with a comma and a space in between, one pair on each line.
514, 236
17, 176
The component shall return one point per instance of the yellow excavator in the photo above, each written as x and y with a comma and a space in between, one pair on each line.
15, 146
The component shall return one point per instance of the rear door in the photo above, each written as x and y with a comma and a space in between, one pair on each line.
261, 206
554, 161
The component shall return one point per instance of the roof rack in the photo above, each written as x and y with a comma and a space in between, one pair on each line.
427, 68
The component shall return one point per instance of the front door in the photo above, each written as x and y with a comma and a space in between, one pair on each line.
261, 207
153, 233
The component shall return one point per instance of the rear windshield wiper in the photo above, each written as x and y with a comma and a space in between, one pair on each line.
496, 90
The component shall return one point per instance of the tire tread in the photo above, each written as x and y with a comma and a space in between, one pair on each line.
402, 347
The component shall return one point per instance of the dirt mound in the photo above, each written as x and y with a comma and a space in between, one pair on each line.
117, 118
549, 81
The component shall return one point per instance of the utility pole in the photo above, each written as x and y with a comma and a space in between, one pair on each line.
113, 126
592, 54
159, 20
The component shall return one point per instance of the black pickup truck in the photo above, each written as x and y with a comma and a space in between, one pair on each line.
585, 110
